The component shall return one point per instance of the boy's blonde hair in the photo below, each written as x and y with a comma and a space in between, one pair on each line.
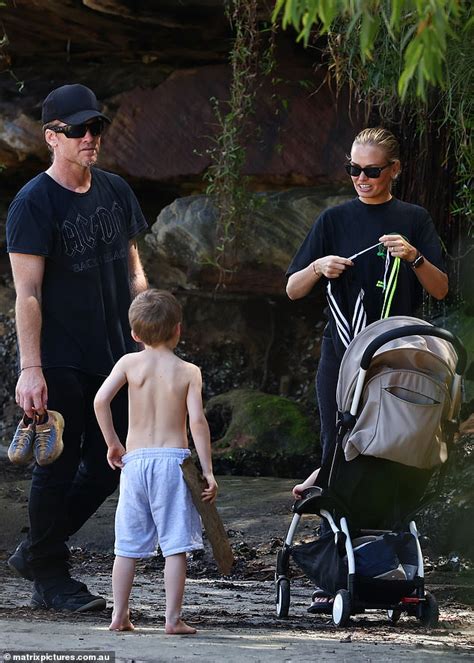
380, 137
153, 316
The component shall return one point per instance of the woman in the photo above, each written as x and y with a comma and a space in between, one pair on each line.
353, 248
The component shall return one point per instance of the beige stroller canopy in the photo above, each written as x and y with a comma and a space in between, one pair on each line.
403, 400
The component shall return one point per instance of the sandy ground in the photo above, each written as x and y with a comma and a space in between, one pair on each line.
235, 616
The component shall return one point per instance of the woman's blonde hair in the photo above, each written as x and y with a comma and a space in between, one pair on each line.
153, 316
380, 137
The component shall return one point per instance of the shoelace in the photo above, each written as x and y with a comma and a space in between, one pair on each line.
23, 437
22, 442
42, 438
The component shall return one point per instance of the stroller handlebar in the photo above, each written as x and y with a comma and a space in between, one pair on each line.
416, 330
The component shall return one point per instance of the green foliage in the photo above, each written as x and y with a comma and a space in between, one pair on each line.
457, 103
420, 29
462, 325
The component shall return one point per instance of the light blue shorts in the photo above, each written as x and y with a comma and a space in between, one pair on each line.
155, 505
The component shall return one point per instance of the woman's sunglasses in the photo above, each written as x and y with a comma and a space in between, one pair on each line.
371, 171
79, 130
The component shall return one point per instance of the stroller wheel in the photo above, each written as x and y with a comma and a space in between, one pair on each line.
394, 615
341, 608
282, 597
429, 611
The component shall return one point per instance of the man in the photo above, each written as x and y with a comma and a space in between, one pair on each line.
71, 238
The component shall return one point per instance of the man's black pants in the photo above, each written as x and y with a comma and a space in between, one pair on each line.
66, 493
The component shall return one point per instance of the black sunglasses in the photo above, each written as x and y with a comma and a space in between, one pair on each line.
371, 171
79, 130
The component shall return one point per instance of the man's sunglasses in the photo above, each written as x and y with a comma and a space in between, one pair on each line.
78, 130
371, 171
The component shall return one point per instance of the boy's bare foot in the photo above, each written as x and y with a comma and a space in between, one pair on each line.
179, 628
119, 623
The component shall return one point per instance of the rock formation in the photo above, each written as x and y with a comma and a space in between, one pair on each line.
182, 240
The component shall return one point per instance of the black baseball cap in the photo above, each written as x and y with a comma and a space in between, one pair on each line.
72, 104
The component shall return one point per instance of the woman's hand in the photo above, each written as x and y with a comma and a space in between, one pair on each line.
307, 483
302, 282
433, 280
298, 489
398, 247
331, 266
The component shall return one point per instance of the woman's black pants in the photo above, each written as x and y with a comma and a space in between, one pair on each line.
326, 383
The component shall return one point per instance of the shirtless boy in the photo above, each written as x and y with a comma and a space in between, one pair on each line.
155, 504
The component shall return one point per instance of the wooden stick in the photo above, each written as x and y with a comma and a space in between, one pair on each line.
210, 517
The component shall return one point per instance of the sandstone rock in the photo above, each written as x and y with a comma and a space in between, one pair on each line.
95, 29
20, 138
162, 130
183, 240
294, 136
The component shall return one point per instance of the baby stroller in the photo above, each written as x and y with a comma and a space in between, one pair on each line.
398, 398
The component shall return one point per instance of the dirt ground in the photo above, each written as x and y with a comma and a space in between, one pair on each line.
235, 616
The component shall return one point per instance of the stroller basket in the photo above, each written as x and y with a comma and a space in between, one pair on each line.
386, 564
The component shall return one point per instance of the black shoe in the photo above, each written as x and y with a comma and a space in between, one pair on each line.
19, 564
69, 595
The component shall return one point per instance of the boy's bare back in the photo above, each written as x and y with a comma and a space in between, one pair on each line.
162, 387
164, 390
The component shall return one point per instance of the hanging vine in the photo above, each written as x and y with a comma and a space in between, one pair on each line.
251, 59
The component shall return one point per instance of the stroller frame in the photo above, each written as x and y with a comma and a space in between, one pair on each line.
316, 500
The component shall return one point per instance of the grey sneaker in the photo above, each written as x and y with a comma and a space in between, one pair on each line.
18, 562
69, 595
48, 444
20, 450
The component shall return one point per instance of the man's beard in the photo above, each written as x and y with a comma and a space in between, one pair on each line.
91, 160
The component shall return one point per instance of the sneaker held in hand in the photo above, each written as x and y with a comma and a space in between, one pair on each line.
48, 443
20, 450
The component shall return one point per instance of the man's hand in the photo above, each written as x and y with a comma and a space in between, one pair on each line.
31, 392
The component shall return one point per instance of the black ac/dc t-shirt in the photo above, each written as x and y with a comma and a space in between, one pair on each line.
351, 227
84, 238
